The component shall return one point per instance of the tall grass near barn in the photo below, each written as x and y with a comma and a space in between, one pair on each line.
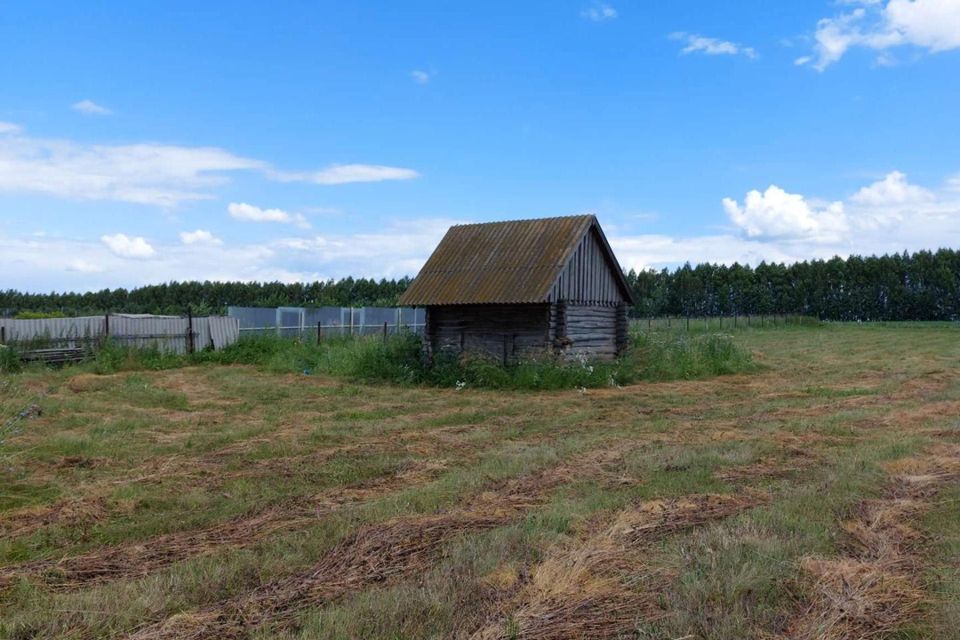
654, 356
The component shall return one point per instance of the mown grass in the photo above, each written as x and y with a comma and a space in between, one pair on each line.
134, 452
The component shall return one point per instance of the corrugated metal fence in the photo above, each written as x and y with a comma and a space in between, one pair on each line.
168, 333
333, 321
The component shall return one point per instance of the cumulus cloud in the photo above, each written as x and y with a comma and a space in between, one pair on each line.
420, 77
599, 12
888, 215
250, 213
893, 189
199, 237
146, 173
933, 25
778, 214
695, 43
128, 247
90, 108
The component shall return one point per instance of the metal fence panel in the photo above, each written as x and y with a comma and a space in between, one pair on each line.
167, 333
332, 321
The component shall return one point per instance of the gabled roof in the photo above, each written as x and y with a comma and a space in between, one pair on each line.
511, 262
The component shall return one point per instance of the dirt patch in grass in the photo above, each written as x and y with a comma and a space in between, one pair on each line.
874, 587
599, 586
88, 382
768, 467
80, 511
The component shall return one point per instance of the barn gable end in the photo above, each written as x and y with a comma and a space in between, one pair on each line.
589, 277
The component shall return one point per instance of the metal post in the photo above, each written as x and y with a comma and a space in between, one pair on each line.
319, 331
384, 333
3, 335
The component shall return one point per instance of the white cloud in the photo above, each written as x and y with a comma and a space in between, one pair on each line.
599, 12
933, 25
778, 214
893, 189
154, 174
889, 215
90, 108
146, 173
347, 173
244, 211
199, 237
419, 76
696, 43
128, 247
83, 266
48, 263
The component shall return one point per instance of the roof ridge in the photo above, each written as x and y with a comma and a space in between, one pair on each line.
570, 217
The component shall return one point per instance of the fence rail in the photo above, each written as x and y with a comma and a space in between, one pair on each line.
721, 322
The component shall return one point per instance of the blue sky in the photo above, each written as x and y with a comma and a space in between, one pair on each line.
146, 142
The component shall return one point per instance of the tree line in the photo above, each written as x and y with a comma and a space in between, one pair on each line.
908, 286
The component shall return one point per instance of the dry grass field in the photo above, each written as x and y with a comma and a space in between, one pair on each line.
815, 498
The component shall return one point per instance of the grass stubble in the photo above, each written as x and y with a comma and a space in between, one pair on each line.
800, 501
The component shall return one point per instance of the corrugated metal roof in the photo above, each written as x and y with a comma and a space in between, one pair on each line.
510, 262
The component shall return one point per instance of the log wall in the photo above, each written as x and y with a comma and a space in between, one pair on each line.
503, 331
590, 330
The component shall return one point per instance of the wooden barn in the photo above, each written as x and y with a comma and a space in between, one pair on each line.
522, 286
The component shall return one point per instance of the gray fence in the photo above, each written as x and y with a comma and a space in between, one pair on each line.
331, 321
167, 333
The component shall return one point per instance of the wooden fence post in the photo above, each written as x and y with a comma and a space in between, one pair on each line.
190, 344
384, 333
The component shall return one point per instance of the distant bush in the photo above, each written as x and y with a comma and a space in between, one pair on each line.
38, 315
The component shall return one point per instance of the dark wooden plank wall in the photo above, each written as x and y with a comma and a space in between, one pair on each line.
591, 330
589, 277
495, 329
